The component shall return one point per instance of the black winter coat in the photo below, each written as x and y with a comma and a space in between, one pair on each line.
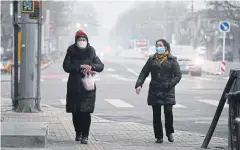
78, 99
164, 78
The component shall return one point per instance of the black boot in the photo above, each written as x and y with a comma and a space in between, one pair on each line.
159, 140
170, 138
84, 140
78, 136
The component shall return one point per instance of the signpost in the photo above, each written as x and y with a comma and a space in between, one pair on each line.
35, 14
224, 26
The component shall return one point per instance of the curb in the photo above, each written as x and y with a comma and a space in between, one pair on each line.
42, 67
215, 74
46, 65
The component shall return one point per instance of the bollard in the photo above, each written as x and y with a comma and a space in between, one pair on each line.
234, 119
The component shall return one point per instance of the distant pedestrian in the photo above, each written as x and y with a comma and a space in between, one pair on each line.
81, 60
165, 75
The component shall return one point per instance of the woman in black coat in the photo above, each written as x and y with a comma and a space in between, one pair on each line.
81, 58
165, 74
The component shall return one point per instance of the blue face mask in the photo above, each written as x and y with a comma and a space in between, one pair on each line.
160, 50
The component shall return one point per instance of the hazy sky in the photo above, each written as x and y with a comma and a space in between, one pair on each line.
108, 11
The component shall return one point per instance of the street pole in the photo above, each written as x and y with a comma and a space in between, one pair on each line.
27, 97
39, 47
192, 22
223, 54
47, 30
16, 30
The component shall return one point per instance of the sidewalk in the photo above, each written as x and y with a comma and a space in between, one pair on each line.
105, 134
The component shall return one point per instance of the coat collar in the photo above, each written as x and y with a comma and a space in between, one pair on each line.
170, 56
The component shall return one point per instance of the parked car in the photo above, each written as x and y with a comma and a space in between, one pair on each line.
217, 54
188, 59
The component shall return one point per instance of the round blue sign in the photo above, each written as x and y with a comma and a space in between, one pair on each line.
224, 26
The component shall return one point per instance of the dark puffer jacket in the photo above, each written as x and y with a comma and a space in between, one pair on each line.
164, 78
78, 99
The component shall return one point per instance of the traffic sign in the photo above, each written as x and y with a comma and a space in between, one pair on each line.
35, 14
27, 6
224, 26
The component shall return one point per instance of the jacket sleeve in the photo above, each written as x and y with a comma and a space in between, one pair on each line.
144, 74
68, 65
177, 74
97, 64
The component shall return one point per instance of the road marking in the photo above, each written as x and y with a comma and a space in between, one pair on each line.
213, 102
225, 78
115, 75
132, 71
203, 78
65, 79
96, 79
179, 106
118, 103
63, 101
122, 78
186, 79
110, 69
209, 122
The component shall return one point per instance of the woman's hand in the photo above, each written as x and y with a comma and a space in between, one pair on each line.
138, 89
86, 68
93, 73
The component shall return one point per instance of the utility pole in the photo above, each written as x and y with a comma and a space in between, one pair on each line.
16, 53
39, 52
29, 96
192, 22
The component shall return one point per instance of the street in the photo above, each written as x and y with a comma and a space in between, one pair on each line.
197, 97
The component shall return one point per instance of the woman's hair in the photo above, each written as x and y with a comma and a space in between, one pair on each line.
165, 44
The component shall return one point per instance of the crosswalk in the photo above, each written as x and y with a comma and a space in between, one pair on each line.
119, 103
113, 74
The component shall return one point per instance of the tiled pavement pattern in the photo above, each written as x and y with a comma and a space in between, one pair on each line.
105, 134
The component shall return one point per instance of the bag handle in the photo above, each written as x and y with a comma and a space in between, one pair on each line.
87, 74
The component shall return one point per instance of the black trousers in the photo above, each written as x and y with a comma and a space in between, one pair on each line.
81, 122
157, 122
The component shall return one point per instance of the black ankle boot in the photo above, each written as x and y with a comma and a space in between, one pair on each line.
78, 137
170, 138
159, 140
84, 140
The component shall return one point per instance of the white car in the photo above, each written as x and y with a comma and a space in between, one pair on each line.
201, 50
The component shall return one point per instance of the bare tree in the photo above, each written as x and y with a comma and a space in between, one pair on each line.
230, 9
148, 20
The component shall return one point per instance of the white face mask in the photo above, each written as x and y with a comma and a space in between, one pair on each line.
82, 44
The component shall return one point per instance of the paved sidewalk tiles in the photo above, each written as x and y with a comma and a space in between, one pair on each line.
105, 134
